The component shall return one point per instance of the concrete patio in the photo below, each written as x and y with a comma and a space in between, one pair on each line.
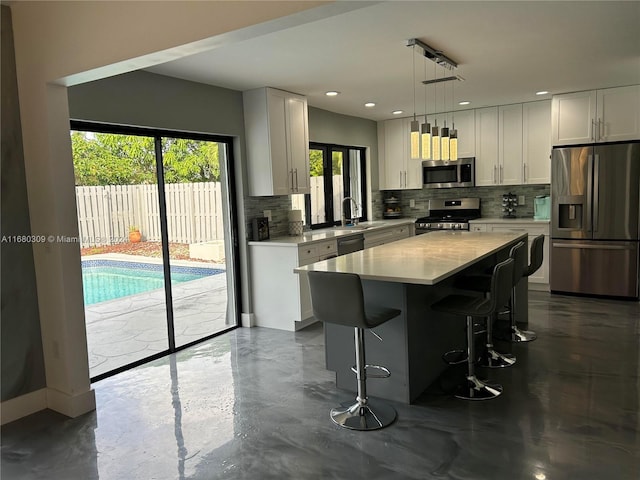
127, 329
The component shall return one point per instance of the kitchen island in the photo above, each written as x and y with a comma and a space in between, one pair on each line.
410, 275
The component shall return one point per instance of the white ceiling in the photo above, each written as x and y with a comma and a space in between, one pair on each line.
506, 52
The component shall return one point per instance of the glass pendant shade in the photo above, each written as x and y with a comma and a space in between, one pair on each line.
444, 141
435, 143
425, 136
415, 140
453, 145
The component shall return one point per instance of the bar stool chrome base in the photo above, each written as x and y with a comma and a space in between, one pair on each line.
372, 415
519, 336
476, 389
492, 359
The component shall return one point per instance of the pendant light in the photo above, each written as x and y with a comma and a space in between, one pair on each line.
444, 138
453, 136
435, 134
415, 126
425, 135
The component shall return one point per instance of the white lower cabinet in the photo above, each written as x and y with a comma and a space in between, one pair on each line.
281, 298
540, 279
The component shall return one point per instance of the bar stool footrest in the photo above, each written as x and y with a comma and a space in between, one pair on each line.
455, 357
385, 371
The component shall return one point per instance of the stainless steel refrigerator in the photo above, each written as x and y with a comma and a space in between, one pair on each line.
595, 220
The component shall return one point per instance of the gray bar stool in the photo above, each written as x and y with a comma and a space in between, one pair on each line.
536, 254
482, 283
338, 298
474, 306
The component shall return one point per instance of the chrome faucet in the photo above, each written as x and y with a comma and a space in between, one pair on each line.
355, 204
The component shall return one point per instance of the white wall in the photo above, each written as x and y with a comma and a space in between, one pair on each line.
66, 43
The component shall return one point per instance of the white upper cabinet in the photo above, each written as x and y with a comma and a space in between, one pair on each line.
618, 114
277, 140
536, 142
510, 145
607, 115
396, 169
513, 144
465, 123
486, 126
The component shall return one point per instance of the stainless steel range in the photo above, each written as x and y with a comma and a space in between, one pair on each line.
453, 214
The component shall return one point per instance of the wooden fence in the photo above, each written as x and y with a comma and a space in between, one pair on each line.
105, 213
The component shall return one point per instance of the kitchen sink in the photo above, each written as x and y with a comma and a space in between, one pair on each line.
354, 227
360, 226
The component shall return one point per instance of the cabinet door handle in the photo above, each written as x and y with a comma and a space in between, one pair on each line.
405, 178
296, 174
400, 179
524, 171
292, 187
501, 174
495, 169
601, 123
593, 130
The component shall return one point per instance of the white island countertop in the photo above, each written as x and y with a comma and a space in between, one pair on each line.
423, 259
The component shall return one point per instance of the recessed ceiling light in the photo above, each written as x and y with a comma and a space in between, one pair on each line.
464, 102
369, 104
332, 93
542, 92
397, 112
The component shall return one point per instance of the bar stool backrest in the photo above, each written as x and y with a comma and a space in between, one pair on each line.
338, 298
536, 255
501, 283
519, 255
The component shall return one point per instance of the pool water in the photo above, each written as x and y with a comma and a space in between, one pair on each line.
109, 279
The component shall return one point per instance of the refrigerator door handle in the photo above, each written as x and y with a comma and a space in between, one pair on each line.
589, 193
596, 191
591, 246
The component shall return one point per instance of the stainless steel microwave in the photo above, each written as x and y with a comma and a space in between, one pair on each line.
449, 173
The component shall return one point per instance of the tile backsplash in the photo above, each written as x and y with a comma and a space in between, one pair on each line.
490, 199
490, 203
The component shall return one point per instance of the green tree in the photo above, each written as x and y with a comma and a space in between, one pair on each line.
316, 167
114, 159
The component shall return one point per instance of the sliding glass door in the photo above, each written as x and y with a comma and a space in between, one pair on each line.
155, 209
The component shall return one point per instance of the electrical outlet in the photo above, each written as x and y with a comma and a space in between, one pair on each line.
267, 213
412, 203
521, 200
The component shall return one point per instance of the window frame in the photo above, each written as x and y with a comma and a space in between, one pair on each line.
327, 160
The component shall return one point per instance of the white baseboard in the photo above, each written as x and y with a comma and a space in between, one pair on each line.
23, 406
248, 320
71, 406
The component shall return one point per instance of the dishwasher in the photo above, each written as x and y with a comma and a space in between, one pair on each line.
352, 243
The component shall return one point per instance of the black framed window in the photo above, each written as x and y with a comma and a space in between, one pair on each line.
337, 172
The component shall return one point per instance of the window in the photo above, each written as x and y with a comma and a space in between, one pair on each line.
337, 172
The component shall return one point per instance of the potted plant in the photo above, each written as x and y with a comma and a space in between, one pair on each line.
134, 234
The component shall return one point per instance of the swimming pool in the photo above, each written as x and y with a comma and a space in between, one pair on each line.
108, 279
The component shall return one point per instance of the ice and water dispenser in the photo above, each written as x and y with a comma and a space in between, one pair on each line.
570, 212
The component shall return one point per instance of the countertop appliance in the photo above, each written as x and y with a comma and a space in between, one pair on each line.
595, 226
541, 207
452, 214
449, 173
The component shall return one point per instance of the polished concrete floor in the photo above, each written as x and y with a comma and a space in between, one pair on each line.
254, 404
